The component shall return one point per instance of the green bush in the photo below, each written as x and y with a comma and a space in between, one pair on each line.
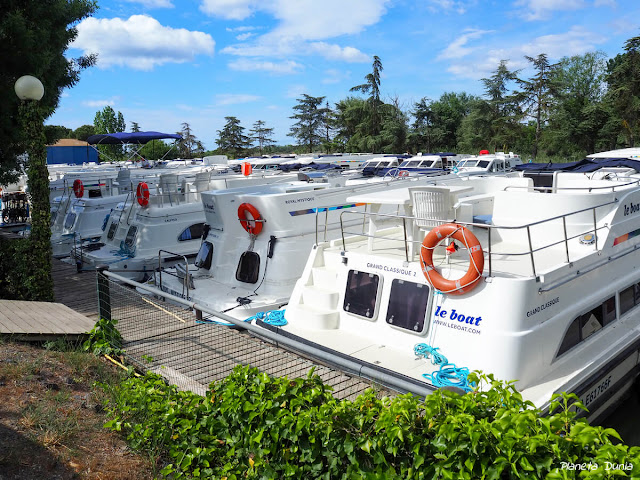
253, 426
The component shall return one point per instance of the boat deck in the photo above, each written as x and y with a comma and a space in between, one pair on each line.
166, 339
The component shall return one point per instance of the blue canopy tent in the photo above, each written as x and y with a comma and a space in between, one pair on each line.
122, 138
130, 138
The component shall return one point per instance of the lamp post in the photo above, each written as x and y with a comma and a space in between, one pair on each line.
38, 259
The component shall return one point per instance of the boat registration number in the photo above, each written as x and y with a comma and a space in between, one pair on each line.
596, 391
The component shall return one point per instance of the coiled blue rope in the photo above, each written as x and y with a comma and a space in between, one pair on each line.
429, 352
273, 317
448, 375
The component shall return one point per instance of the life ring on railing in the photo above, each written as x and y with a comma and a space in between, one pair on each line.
252, 225
142, 194
403, 173
78, 188
476, 259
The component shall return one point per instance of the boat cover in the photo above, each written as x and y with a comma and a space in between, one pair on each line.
586, 165
121, 138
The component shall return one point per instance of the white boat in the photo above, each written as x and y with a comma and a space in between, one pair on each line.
241, 271
164, 215
534, 284
488, 163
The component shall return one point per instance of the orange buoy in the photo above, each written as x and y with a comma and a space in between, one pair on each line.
476, 259
142, 194
252, 225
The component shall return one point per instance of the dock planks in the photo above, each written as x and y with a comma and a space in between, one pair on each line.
41, 320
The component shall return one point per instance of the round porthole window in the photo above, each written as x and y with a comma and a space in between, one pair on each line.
587, 239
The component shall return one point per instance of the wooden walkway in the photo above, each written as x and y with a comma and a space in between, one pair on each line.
41, 321
166, 339
76, 290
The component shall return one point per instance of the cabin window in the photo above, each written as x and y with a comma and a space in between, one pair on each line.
193, 232
408, 305
629, 298
248, 267
69, 220
588, 323
112, 230
361, 294
131, 236
205, 254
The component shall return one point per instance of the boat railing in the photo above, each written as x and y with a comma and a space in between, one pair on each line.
186, 281
598, 189
492, 231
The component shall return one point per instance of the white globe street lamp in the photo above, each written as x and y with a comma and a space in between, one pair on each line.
29, 88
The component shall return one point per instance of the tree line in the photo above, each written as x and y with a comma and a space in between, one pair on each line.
562, 111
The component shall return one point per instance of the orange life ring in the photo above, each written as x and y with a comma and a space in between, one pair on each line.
142, 194
251, 225
78, 188
403, 173
476, 259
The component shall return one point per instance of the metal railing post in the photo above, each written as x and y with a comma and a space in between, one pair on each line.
104, 293
566, 240
533, 263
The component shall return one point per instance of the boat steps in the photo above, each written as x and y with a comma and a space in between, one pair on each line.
315, 318
320, 297
324, 276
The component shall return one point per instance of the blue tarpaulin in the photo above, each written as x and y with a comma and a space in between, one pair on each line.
586, 165
121, 138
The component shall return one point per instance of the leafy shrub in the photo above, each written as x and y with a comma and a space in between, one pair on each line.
104, 339
253, 426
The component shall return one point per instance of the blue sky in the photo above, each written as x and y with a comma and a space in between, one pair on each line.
165, 62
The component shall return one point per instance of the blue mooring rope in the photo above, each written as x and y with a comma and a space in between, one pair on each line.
272, 317
448, 375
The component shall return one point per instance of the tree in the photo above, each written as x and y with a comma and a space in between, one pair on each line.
448, 113
538, 94
231, 139
189, 145
34, 37
56, 132
108, 121
262, 135
158, 149
83, 132
579, 118
372, 87
135, 128
310, 121
624, 89
420, 138
351, 117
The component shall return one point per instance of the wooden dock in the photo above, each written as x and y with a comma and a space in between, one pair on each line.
41, 321
166, 339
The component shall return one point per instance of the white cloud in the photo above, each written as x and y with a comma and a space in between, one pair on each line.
301, 26
541, 9
243, 29
235, 98
457, 48
484, 60
140, 42
333, 75
296, 91
229, 9
244, 36
282, 68
153, 3
459, 7
99, 103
